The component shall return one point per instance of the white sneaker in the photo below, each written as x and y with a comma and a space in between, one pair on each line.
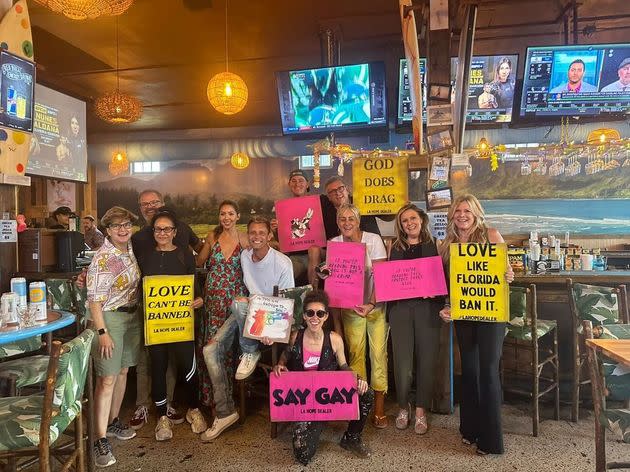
197, 421
218, 426
247, 365
164, 429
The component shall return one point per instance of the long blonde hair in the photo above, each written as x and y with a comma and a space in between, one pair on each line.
479, 233
401, 242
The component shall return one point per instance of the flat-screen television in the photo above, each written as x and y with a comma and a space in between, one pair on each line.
58, 145
404, 92
576, 80
332, 98
491, 86
16, 91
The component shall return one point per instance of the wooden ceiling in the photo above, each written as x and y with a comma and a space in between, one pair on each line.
169, 49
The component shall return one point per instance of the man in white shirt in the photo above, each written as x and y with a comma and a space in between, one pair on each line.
263, 268
623, 84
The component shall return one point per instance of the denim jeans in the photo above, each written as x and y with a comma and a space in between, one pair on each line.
214, 355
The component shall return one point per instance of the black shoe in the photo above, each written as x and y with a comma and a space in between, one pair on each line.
355, 446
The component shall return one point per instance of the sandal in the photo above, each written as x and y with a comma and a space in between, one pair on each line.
380, 422
402, 420
421, 426
467, 442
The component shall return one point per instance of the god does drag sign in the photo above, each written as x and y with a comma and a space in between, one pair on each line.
479, 291
168, 312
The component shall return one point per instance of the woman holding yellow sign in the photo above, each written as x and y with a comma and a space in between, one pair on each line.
169, 259
480, 343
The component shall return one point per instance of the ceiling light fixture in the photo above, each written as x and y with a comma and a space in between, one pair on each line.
227, 92
119, 163
87, 9
116, 107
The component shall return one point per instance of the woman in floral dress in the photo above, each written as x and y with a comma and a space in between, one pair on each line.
224, 282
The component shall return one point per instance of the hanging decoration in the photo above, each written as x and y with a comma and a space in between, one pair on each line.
227, 92
87, 9
239, 160
116, 107
119, 163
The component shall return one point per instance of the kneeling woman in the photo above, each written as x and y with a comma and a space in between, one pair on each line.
168, 259
312, 348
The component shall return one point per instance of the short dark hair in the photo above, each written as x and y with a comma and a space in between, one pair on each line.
578, 61
259, 220
164, 212
316, 296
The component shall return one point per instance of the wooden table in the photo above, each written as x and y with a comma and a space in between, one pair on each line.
616, 349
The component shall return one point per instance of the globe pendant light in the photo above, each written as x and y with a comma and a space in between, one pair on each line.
227, 92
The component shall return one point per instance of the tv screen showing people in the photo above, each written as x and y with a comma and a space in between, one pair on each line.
58, 146
332, 98
404, 92
576, 80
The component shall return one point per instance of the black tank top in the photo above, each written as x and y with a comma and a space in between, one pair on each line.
295, 353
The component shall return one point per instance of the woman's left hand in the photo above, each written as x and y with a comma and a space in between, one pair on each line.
363, 310
197, 303
362, 386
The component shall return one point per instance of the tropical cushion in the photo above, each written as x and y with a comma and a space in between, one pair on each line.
613, 331
618, 421
60, 294
518, 305
524, 333
297, 294
616, 374
21, 347
595, 303
20, 417
29, 371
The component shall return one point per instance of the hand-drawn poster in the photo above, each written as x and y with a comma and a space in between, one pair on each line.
269, 317
300, 223
346, 283
409, 278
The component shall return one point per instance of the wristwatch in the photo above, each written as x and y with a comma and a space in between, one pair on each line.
102, 331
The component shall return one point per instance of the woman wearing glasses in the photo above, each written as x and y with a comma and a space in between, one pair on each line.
312, 348
112, 283
169, 259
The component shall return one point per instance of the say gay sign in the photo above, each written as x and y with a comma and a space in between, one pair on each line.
479, 291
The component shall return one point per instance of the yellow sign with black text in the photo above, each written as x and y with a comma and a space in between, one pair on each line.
168, 312
380, 185
478, 290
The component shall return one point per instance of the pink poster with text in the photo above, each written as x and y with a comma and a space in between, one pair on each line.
313, 396
410, 278
300, 223
346, 283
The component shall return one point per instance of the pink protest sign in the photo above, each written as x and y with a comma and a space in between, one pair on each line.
410, 278
346, 283
313, 396
300, 223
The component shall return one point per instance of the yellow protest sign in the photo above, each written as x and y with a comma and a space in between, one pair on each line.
478, 289
168, 312
380, 184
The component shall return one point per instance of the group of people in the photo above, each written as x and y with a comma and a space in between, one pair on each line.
245, 264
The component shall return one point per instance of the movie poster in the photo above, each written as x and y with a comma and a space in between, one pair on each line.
16, 92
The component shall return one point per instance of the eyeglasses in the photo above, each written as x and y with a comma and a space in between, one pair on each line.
338, 190
152, 203
165, 230
319, 313
119, 226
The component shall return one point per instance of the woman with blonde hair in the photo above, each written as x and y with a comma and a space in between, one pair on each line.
480, 343
415, 324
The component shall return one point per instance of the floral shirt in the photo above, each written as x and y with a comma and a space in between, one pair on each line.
112, 278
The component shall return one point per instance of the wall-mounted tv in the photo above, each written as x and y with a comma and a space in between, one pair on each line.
58, 145
17, 80
576, 80
332, 98
404, 92
490, 87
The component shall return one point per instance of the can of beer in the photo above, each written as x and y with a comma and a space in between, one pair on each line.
8, 307
18, 286
37, 296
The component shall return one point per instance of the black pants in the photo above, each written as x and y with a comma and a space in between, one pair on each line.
184, 355
306, 433
415, 326
480, 346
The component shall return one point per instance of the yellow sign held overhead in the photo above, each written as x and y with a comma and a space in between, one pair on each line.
380, 184
478, 289
168, 313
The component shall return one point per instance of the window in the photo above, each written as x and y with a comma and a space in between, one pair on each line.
147, 167
308, 162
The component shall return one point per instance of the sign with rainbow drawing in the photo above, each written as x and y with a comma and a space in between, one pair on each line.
269, 317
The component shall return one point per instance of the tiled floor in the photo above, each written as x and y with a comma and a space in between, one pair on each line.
561, 446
